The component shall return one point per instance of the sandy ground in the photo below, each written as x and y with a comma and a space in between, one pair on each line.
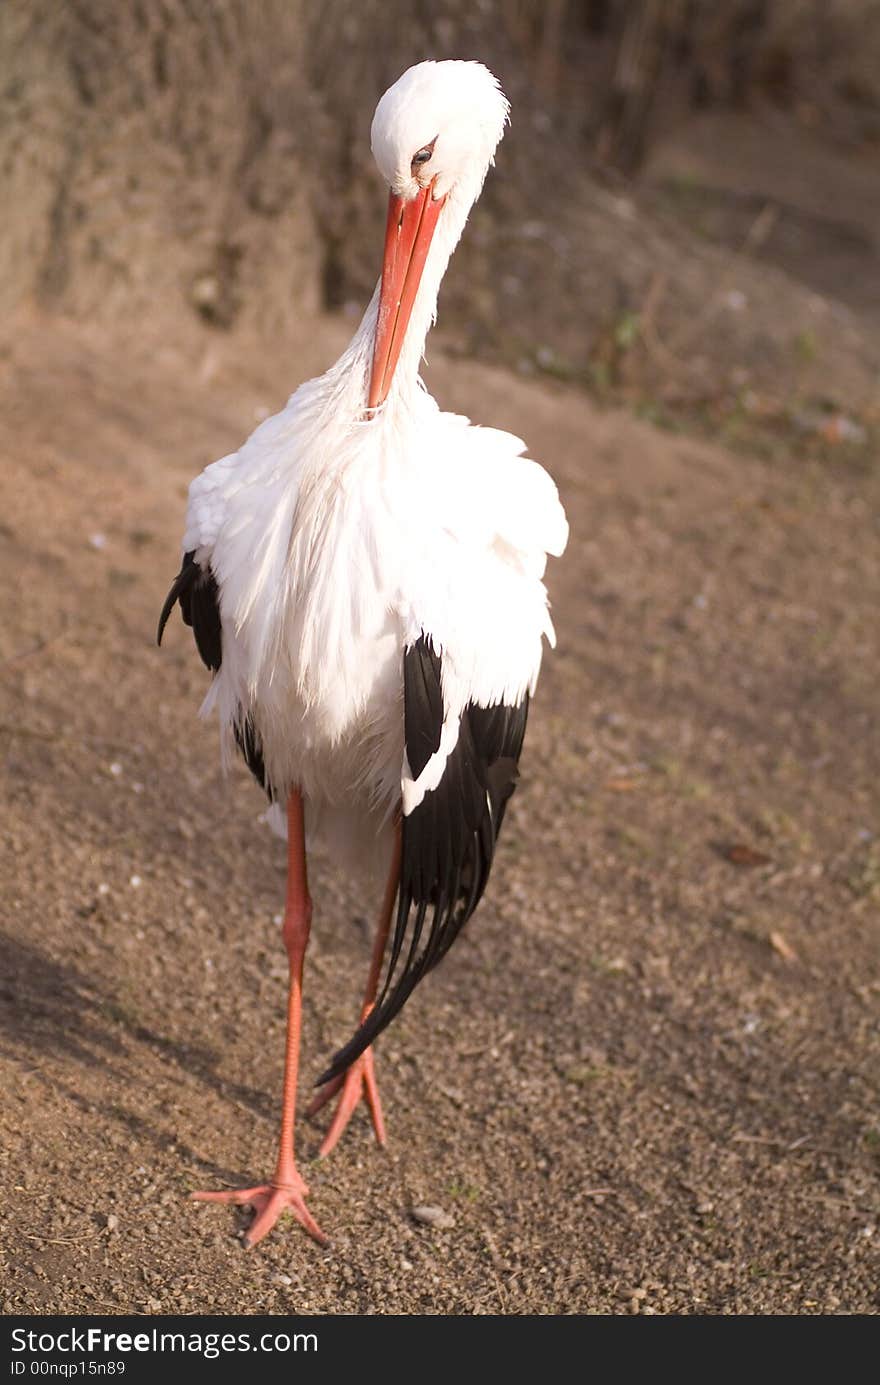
645, 1079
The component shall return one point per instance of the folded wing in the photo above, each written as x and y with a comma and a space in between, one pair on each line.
460, 771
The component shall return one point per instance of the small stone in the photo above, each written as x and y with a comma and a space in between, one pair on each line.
112, 1222
433, 1216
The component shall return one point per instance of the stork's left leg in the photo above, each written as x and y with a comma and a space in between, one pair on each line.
358, 1082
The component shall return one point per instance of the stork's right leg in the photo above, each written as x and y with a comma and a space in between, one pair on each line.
286, 1191
358, 1082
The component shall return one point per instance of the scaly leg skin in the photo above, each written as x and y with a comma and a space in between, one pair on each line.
358, 1082
286, 1191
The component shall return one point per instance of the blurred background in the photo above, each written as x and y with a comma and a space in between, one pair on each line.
204, 159
645, 1080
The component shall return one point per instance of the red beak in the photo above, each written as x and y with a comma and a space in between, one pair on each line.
408, 236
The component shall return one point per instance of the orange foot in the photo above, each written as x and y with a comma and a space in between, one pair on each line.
357, 1083
269, 1200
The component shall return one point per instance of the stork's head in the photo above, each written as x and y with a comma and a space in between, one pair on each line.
434, 136
440, 125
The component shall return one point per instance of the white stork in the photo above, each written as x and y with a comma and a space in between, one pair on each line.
364, 579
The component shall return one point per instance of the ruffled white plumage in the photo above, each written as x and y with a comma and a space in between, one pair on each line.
334, 547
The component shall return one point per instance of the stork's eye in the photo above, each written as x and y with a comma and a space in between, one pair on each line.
423, 156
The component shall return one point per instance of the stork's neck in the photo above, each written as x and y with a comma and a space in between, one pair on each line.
351, 373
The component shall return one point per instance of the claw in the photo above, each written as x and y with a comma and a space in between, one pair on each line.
357, 1083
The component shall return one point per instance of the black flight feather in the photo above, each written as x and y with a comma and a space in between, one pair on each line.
195, 590
422, 707
251, 749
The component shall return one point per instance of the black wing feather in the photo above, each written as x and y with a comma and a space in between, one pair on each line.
422, 708
249, 744
195, 590
448, 840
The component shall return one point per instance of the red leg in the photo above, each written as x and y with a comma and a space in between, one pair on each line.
359, 1081
286, 1191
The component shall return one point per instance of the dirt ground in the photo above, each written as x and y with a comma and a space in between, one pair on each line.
645, 1080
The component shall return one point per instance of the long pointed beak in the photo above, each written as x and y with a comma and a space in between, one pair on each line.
408, 234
